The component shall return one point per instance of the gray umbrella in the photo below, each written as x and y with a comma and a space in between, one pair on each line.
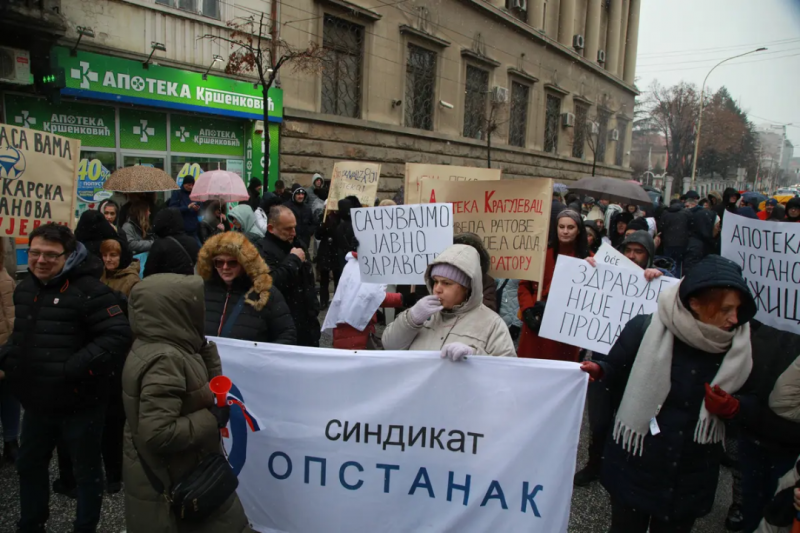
612, 189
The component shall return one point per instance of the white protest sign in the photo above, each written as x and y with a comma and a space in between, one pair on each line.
397, 243
589, 307
335, 440
769, 254
608, 255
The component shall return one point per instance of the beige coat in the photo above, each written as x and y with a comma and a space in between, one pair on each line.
784, 399
166, 398
6, 305
471, 323
124, 279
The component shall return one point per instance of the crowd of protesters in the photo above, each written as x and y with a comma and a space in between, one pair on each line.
104, 346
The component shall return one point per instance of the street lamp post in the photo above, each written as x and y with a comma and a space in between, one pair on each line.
700, 118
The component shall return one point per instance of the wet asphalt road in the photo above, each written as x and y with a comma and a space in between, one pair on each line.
591, 512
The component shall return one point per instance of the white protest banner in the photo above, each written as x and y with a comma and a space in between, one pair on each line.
416, 172
397, 243
511, 216
401, 441
608, 255
39, 172
769, 254
589, 307
353, 178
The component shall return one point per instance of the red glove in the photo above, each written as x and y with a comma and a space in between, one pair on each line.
720, 403
594, 370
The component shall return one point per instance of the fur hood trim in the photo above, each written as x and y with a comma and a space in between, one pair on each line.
237, 245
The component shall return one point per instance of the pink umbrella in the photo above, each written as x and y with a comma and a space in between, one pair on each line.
219, 185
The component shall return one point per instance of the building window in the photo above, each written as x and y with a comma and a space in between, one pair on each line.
579, 139
518, 120
207, 8
475, 102
420, 87
552, 114
341, 75
622, 129
602, 136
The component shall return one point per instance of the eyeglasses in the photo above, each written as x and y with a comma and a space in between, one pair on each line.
48, 256
221, 263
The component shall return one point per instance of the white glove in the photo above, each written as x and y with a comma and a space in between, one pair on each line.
424, 309
457, 351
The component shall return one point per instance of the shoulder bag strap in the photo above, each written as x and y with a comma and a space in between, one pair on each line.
176, 241
157, 484
237, 310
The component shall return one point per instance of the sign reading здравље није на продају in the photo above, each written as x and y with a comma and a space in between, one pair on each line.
38, 171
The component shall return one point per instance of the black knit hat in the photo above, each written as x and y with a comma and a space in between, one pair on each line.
717, 272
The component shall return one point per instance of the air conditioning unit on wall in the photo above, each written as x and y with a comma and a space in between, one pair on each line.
522, 5
15, 66
567, 120
614, 135
578, 42
595, 128
500, 95
601, 56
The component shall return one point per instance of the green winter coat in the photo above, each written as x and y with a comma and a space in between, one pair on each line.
166, 398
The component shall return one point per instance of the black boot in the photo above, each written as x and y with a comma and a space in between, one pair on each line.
60, 487
735, 519
589, 473
10, 452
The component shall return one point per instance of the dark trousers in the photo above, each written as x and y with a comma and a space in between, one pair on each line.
324, 283
761, 470
111, 451
82, 433
627, 520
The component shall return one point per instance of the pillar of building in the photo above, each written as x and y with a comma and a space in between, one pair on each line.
592, 37
623, 34
633, 41
668, 188
612, 39
687, 184
537, 14
566, 22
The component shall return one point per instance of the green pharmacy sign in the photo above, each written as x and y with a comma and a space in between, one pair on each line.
90, 75
200, 135
142, 130
93, 125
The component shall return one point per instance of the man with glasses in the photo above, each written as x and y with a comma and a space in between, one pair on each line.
69, 341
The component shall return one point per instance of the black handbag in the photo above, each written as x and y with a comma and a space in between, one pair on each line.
202, 491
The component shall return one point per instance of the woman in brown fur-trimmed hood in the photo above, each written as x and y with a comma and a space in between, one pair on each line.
241, 302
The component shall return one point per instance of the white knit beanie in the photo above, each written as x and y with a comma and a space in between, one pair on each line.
453, 273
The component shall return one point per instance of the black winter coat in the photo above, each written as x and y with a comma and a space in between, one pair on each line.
675, 478
306, 224
69, 342
345, 240
166, 255
273, 323
773, 352
701, 239
676, 223
181, 200
327, 258
295, 279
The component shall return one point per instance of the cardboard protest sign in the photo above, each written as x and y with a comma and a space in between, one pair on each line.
416, 172
588, 307
397, 243
365, 443
353, 178
769, 254
608, 255
511, 216
39, 173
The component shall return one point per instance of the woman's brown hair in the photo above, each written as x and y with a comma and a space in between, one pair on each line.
139, 213
110, 245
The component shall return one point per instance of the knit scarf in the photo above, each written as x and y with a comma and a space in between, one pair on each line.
651, 376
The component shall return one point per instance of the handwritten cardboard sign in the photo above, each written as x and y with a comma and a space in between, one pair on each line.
609, 256
589, 307
769, 254
354, 178
417, 172
396, 244
38, 174
511, 216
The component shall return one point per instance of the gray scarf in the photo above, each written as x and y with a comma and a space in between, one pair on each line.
650, 379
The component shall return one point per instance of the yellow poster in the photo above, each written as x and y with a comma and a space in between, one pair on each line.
354, 178
39, 172
511, 216
416, 172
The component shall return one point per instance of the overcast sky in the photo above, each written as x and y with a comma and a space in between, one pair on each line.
684, 39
